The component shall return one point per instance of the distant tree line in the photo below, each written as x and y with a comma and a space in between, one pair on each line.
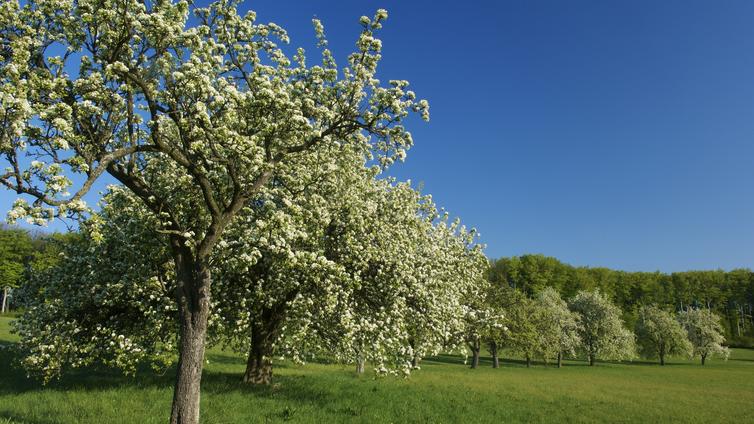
730, 294
22, 253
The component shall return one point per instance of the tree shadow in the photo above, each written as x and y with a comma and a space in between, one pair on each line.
294, 387
10, 417
16, 381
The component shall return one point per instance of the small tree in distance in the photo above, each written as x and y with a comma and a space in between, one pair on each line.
602, 332
660, 334
705, 333
560, 330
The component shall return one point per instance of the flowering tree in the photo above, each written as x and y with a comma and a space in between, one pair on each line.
705, 333
286, 282
560, 329
195, 117
659, 334
602, 332
483, 322
448, 265
108, 300
526, 321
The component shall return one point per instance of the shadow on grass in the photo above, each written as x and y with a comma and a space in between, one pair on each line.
11, 418
296, 388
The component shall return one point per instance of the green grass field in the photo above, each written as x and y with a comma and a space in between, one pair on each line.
444, 391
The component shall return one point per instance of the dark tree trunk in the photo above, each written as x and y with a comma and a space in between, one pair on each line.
703, 358
475, 349
495, 359
528, 361
662, 359
193, 293
560, 359
591, 359
259, 363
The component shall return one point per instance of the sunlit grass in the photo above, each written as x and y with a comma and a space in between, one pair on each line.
444, 390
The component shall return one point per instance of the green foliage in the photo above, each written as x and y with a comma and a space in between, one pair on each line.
729, 294
15, 250
660, 335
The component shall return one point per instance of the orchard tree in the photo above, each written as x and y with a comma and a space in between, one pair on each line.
448, 265
659, 334
602, 332
194, 116
107, 301
561, 326
705, 333
527, 321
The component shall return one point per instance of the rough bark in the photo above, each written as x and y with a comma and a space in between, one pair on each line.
560, 359
495, 358
259, 363
193, 293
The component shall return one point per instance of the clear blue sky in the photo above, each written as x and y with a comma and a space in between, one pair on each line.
603, 133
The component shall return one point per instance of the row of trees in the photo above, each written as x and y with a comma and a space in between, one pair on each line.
729, 294
546, 326
376, 275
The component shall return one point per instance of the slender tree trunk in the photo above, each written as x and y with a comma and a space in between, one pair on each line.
495, 358
703, 358
5, 296
560, 359
360, 362
259, 362
528, 361
591, 359
662, 359
193, 293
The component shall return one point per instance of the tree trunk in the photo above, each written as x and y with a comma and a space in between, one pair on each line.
193, 294
495, 359
5, 296
591, 360
259, 363
415, 362
560, 359
475, 348
662, 359
528, 361
703, 358
360, 365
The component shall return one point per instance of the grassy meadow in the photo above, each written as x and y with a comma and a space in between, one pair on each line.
443, 391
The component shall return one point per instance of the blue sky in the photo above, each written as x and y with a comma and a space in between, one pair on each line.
603, 133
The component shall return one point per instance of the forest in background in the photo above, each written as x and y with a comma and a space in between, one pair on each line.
728, 293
